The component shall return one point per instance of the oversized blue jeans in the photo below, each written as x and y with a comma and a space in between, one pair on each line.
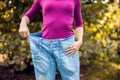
49, 54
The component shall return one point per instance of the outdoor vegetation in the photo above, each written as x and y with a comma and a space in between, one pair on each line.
99, 53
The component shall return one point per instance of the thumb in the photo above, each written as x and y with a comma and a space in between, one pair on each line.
28, 32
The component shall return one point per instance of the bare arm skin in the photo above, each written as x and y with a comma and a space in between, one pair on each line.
79, 34
28, 17
23, 30
76, 46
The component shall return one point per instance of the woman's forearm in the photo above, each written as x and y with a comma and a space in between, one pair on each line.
23, 30
79, 34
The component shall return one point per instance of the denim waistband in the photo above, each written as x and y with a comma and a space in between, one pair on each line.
39, 36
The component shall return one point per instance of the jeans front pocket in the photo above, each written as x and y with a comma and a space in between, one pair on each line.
40, 59
41, 63
65, 44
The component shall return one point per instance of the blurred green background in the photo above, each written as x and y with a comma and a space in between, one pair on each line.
99, 54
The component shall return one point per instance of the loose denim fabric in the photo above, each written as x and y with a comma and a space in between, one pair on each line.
49, 54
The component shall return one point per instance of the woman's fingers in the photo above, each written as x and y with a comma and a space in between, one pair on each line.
24, 33
71, 50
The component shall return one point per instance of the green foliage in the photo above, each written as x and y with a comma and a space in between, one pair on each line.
98, 52
14, 50
101, 38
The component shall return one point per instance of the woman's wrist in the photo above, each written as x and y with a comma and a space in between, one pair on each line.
25, 20
79, 41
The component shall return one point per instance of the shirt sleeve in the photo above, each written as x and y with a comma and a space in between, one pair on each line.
78, 15
34, 10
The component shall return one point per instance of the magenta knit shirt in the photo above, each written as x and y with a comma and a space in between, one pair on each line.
58, 17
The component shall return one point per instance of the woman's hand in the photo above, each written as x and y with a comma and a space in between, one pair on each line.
74, 47
23, 30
